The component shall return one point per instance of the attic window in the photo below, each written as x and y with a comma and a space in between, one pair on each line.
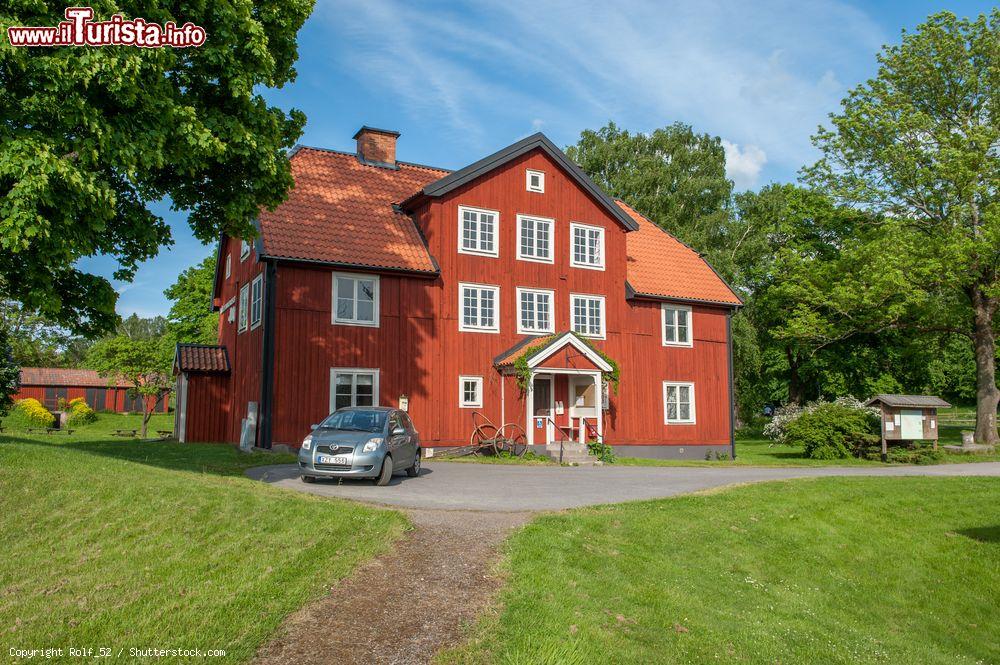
244, 249
535, 181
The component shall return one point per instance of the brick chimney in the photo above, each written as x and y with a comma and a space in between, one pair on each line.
377, 146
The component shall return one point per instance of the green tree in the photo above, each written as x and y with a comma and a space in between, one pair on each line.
919, 144
191, 318
139, 362
89, 137
673, 176
10, 374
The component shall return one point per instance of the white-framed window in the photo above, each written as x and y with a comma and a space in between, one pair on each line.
676, 321
477, 231
355, 299
534, 181
534, 239
256, 300
478, 308
353, 386
678, 403
586, 248
229, 264
244, 306
244, 249
229, 309
470, 392
587, 314
534, 311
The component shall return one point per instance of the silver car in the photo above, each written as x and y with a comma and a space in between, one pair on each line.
361, 442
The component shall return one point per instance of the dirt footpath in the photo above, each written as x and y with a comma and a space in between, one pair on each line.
405, 605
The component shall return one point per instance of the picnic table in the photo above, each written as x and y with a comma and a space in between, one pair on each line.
164, 432
124, 432
48, 430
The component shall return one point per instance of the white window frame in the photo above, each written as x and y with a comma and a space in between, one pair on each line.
376, 305
604, 314
540, 188
478, 402
495, 328
521, 330
548, 221
334, 371
229, 264
573, 226
244, 249
256, 301
663, 325
678, 384
242, 315
495, 252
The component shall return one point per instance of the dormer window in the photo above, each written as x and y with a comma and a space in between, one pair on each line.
535, 181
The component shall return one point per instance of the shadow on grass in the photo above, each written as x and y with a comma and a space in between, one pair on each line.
221, 459
984, 534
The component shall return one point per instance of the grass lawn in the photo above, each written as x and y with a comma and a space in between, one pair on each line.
887, 570
121, 543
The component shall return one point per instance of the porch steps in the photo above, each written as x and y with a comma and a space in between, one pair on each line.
575, 453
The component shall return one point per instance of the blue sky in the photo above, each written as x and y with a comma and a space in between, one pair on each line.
460, 81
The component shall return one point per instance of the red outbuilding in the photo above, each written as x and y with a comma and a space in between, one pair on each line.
49, 385
514, 287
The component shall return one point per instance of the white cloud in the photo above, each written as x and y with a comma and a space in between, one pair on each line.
743, 165
762, 74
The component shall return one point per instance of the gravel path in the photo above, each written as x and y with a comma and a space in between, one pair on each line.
403, 606
512, 488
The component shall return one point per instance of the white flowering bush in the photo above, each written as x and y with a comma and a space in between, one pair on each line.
777, 429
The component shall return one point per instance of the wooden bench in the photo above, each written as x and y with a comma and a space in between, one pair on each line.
162, 432
49, 430
124, 432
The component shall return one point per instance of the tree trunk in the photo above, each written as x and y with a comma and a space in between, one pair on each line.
794, 381
987, 395
147, 413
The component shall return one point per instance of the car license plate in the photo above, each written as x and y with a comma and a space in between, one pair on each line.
341, 460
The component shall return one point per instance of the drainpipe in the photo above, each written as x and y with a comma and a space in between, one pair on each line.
266, 406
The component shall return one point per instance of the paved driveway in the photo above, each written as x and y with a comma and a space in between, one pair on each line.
510, 488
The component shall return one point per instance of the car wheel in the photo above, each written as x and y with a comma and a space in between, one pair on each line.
386, 475
414, 470
308, 479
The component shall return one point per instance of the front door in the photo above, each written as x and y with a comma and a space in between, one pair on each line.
912, 425
541, 410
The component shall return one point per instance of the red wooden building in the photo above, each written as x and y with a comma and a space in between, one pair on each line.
49, 385
384, 282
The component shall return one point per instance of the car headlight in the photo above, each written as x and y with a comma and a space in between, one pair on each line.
372, 444
307, 443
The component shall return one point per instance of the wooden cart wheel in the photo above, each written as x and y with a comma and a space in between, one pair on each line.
484, 439
515, 439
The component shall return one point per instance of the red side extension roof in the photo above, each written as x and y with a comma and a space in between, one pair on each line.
661, 266
59, 376
340, 211
201, 358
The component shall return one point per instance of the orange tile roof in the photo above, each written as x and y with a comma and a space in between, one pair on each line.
661, 266
201, 358
341, 211
60, 376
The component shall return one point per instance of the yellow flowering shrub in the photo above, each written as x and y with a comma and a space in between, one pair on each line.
29, 413
79, 413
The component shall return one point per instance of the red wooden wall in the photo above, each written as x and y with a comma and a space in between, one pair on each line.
115, 399
209, 416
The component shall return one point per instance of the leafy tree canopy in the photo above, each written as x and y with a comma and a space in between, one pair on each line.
89, 137
673, 176
919, 145
191, 318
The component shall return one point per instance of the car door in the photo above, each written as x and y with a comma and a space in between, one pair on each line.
399, 447
414, 434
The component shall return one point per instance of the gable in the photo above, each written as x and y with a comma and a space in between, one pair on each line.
534, 143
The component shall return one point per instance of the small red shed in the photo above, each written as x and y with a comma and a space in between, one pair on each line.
49, 385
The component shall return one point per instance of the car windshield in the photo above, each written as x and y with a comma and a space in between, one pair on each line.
355, 420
